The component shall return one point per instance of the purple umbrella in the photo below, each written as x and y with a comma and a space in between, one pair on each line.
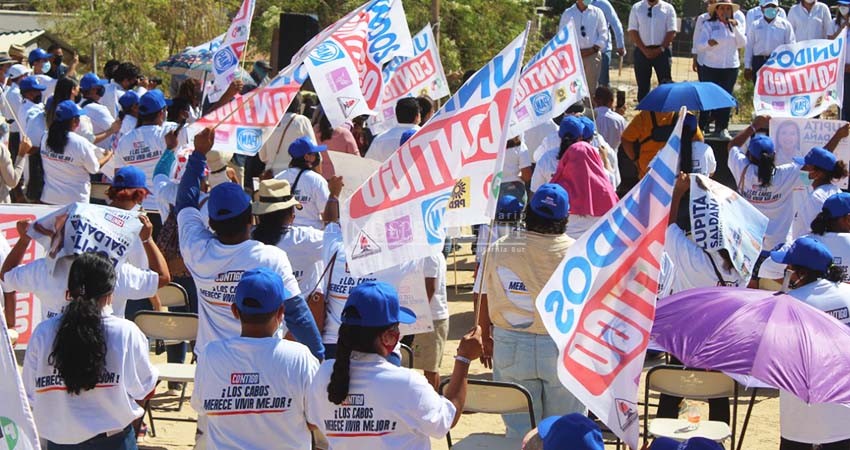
772, 337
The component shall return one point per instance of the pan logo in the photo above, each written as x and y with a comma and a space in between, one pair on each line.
326, 52
800, 105
249, 139
224, 59
432, 214
542, 103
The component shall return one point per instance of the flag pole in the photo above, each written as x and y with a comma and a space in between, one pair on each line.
476, 293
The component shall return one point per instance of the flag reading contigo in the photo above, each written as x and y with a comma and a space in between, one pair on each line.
802, 79
600, 302
420, 75
227, 58
17, 426
551, 82
346, 67
397, 214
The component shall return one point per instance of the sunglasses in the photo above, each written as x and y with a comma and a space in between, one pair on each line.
649, 12
583, 34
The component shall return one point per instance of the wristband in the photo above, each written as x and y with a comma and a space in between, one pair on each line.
462, 359
146, 240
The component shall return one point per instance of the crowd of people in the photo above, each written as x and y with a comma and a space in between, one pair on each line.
289, 341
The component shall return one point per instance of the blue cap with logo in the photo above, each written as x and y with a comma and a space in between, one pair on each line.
837, 205
227, 200
375, 304
694, 443
805, 252
67, 110
129, 177
303, 146
91, 80
260, 291
818, 157
759, 145
509, 208
129, 99
574, 431
588, 127
551, 202
571, 126
38, 55
31, 84
152, 102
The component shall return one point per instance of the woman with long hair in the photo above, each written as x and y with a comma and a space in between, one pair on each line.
86, 371
338, 139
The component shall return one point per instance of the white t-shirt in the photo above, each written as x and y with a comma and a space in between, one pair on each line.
303, 247
142, 147
130, 283
809, 206
312, 191
516, 159
111, 406
534, 137
545, 169
386, 143
388, 407
435, 267
837, 243
253, 392
217, 269
692, 266
702, 156
67, 175
10, 111
275, 152
111, 94
27, 111
49, 82
817, 423
101, 120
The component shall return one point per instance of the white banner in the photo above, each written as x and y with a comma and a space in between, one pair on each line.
801, 79
354, 169
552, 81
346, 67
420, 75
795, 137
600, 302
228, 57
411, 189
17, 426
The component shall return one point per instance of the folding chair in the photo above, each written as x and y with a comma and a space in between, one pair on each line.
173, 295
696, 384
169, 326
493, 397
406, 356
98, 193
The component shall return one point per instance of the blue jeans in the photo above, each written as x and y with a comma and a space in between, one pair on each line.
603, 70
531, 360
125, 440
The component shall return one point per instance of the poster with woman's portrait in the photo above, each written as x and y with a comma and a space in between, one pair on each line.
795, 137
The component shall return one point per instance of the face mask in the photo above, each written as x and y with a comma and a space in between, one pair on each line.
37, 99
58, 60
46, 67
770, 13
844, 10
587, 2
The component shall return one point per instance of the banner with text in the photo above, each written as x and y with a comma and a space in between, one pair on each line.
795, 137
550, 83
346, 68
599, 304
801, 79
413, 188
17, 426
228, 57
420, 75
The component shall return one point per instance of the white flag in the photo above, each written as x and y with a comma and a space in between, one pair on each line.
17, 426
229, 55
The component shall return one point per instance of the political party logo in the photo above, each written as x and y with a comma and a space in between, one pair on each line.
339, 79
222, 135
245, 378
347, 104
800, 105
574, 86
224, 60
542, 103
389, 112
561, 94
460, 194
326, 52
626, 413
115, 220
9, 432
775, 105
239, 31
522, 113
366, 246
249, 139
432, 214
399, 232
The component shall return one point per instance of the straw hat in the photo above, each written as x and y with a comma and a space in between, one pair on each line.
217, 160
274, 195
17, 51
735, 7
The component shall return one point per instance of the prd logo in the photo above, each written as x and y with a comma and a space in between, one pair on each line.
249, 139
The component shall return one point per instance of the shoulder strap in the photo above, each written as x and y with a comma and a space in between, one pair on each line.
721, 281
743, 174
327, 272
297, 179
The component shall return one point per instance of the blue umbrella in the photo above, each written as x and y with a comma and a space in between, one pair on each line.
694, 95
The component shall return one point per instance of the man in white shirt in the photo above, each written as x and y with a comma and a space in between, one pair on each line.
385, 144
40, 62
764, 36
428, 347
125, 78
608, 123
252, 389
32, 90
275, 152
616, 37
652, 27
12, 104
92, 89
810, 19
755, 13
592, 28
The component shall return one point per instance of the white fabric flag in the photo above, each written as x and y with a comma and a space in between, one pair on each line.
17, 426
599, 304
229, 55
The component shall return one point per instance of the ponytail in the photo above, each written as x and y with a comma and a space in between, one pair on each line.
57, 136
839, 172
686, 154
79, 349
835, 273
766, 167
566, 142
351, 338
272, 226
822, 223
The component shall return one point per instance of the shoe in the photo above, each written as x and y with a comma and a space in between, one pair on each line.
723, 135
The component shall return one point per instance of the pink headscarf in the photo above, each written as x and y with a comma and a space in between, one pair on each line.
582, 174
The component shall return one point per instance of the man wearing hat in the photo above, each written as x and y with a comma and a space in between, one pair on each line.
764, 36
519, 348
275, 375
92, 89
308, 186
17, 52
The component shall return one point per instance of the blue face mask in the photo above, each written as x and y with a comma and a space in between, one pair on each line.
770, 13
46, 67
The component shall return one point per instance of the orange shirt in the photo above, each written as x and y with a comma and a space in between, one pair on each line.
640, 130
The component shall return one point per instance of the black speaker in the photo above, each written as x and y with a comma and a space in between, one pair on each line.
295, 31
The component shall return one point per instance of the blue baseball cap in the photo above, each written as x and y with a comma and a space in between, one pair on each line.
551, 202
37, 55
227, 200
843, 2
129, 177
303, 146
571, 126
31, 84
67, 110
152, 102
805, 252
759, 145
837, 205
375, 304
129, 99
694, 443
91, 80
588, 127
509, 208
574, 431
264, 287
818, 157
406, 135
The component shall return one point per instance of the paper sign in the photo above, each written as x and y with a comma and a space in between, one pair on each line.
795, 137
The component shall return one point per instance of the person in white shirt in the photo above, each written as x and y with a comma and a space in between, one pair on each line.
92, 89
87, 372
12, 104
718, 42
755, 13
385, 144
39, 60
275, 152
570, 132
252, 389
309, 187
31, 107
517, 163
608, 123
823, 168
428, 347
652, 27
737, 15
68, 158
831, 227
764, 36
124, 79
11, 168
129, 103
816, 281
218, 258
617, 39
810, 19
841, 24
404, 410
593, 38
